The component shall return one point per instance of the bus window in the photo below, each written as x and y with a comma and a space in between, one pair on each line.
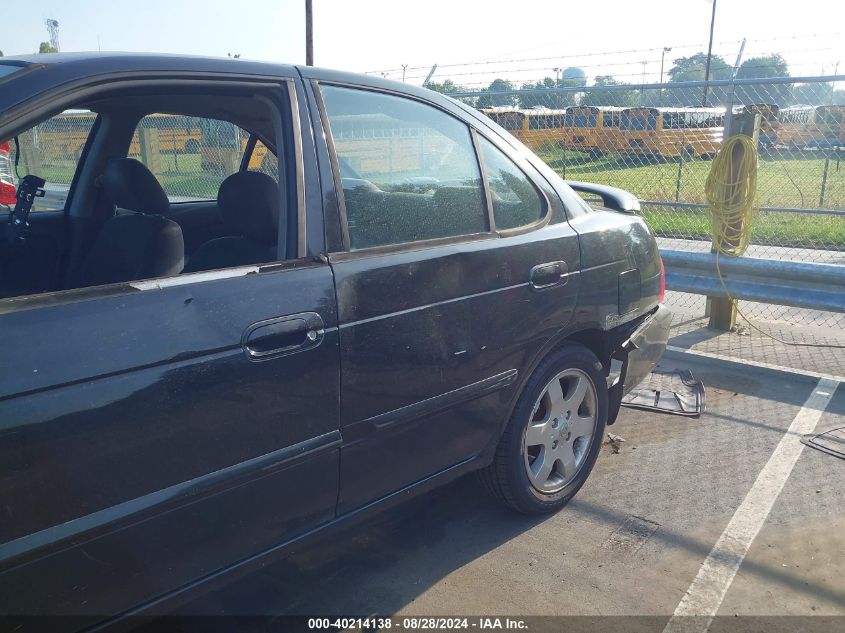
581, 118
638, 121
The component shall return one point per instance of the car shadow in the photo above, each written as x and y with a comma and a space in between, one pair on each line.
371, 567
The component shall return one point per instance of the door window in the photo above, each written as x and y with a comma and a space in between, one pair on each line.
409, 171
516, 201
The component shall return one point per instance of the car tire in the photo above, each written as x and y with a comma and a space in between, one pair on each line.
507, 477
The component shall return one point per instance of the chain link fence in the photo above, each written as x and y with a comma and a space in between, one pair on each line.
658, 141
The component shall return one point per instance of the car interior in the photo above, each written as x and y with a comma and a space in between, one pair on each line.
121, 225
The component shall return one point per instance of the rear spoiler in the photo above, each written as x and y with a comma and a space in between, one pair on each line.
611, 197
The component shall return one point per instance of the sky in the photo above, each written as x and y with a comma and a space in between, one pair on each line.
520, 40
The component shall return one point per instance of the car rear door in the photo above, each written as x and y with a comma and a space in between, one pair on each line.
158, 431
441, 313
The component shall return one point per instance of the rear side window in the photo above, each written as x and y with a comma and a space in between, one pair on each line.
516, 201
409, 171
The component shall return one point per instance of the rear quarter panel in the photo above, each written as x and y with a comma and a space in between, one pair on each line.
614, 243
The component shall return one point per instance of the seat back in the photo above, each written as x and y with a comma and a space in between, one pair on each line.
137, 245
249, 206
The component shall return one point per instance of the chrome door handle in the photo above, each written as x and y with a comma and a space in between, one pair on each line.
282, 335
549, 275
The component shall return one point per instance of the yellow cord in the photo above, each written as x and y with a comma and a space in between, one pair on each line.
731, 191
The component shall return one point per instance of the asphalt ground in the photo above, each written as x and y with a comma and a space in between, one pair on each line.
638, 539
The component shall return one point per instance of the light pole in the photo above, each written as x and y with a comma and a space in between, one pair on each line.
309, 34
557, 74
709, 54
666, 49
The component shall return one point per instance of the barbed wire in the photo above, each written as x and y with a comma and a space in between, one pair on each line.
568, 56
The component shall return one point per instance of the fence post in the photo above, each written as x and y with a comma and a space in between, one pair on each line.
824, 181
723, 311
30, 154
150, 149
680, 174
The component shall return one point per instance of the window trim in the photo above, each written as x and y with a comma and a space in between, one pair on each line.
540, 222
488, 196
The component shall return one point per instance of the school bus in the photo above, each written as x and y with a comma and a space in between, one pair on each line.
830, 126
177, 134
535, 127
594, 130
805, 127
673, 132
63, 136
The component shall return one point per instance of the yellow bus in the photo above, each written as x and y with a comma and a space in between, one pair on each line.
805, 127
594, 130
673, 132
535, 127
63, 136
177, 134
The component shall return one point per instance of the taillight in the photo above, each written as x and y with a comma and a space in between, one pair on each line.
7, 180
7, 194
662, 282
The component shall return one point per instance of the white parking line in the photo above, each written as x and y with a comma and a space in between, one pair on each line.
755, 363
708, 589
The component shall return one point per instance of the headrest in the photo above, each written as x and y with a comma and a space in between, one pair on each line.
249, 205
131, 186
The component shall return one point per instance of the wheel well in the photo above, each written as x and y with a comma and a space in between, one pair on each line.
596, 341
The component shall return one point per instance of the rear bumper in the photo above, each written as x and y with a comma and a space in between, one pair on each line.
645, 347
639, 354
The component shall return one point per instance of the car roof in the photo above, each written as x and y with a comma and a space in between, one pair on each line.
44, 72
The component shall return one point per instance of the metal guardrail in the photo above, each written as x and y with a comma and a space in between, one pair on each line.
796, 284
696, 205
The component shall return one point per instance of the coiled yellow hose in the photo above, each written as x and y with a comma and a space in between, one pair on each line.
731, 191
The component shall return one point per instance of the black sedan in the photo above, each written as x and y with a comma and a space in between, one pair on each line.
242, 302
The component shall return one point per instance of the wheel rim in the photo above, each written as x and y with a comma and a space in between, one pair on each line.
560, 431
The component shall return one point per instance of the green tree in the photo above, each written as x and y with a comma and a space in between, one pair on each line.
446, 87
625, 98
497, 100
812, 94
555, 100
45, 47
763, 68
693, 68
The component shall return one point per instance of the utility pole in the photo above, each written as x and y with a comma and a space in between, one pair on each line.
557, 75
644, 63
404, 67
666, 49
309, 34
709, 55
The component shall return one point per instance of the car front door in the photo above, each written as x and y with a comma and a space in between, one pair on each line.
441, 312
156, 431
